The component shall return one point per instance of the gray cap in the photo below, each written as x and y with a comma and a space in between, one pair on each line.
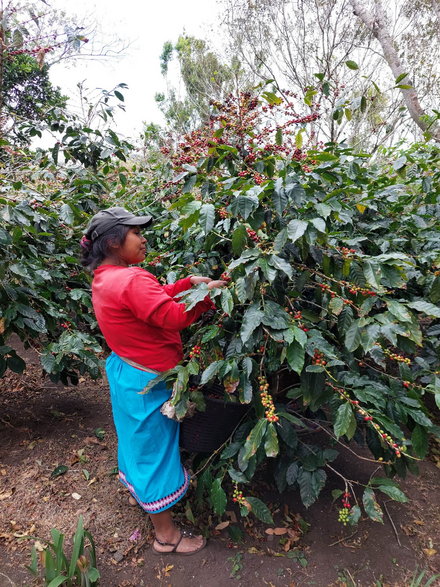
107, 219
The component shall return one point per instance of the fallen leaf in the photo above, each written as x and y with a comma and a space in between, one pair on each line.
7, 494
222, 525
166, 570
419, 522
76, 496
60, 470
269, 531
429, 551
279, 531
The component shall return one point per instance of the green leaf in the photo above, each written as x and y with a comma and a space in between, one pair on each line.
426, 308
336, 305
353, 337
419, 441
295, 229
292, 473
295, 357
310, 485
434, 294
280, 240
260, 510
15, 364
210, 333
190, 182
239, 239
281, 264
393, 492
66, 214
271, 442
48, 362
254, 439
371, 506
218, 497
244, 206
400, 163
344, 418
227, 301
211, 371
60, 470
271, 98
319, 224
251, 320
399, 311
355, 515
372, 274
207, 217
241, 290
400, 77
352, 64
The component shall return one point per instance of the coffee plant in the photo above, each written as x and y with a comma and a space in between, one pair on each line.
46, 200
331, 315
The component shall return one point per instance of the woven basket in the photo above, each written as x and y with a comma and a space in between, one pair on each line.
207, 431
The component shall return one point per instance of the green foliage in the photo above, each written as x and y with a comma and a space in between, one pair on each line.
58, 569
28, 94
45, 204
333, 293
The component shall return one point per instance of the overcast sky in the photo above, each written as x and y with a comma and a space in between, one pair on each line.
144, 26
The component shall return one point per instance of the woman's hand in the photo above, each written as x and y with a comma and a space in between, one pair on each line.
196, 279
212, 283
215, 283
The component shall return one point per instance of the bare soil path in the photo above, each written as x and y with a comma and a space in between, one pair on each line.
43, 426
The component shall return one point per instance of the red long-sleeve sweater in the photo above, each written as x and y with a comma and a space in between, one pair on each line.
138, 316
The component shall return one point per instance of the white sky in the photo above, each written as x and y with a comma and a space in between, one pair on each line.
144, 25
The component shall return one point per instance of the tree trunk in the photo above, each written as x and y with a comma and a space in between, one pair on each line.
377, 25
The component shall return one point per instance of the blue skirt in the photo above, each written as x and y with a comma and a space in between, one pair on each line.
148, 442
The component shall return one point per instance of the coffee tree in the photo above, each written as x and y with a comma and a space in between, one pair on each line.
330, 319
46, 201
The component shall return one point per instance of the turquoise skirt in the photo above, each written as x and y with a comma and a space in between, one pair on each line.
148, 442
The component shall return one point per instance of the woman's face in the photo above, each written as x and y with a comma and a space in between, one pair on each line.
133, 249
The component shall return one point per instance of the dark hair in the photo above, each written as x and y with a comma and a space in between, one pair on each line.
96, 250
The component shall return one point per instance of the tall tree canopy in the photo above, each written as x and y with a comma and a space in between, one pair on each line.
324, 52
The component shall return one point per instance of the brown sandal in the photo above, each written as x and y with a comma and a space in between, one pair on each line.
183, 534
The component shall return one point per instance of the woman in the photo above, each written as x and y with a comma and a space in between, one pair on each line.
141, 320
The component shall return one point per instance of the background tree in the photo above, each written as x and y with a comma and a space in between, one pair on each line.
204, 77
33, 37
419, 14
318, 50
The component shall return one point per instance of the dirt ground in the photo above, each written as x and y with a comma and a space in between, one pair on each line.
43, 426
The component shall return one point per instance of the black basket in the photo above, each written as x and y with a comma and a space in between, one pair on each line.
207, 431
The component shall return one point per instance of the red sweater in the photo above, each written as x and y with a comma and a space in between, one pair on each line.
138, 316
